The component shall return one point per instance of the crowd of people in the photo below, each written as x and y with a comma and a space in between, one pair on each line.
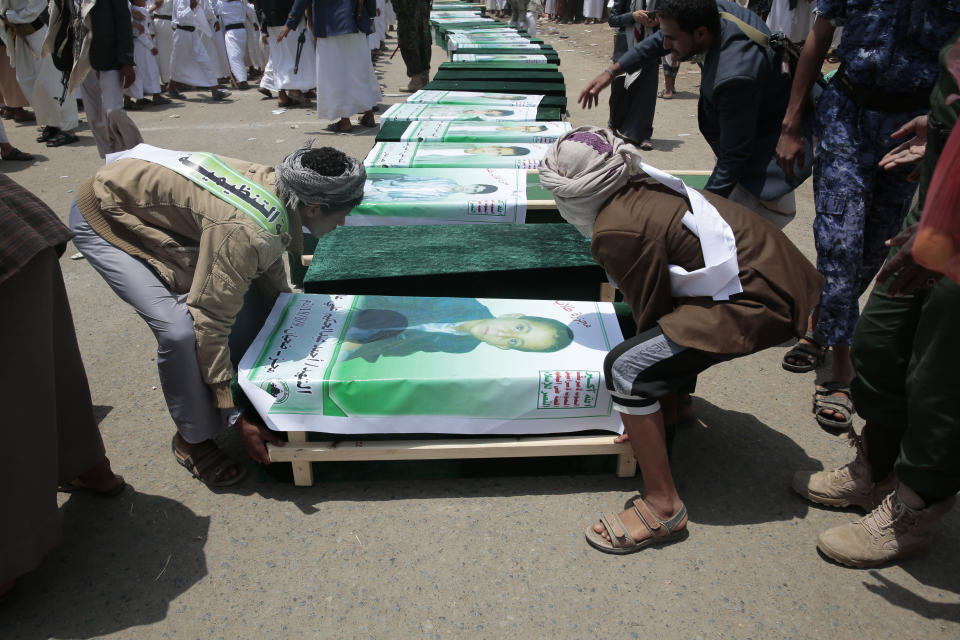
107, 57
709, 276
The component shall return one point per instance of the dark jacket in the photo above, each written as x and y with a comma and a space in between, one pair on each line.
335, 17
273, 13
111, 35
743, 98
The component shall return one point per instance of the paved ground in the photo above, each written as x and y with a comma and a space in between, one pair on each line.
486, 552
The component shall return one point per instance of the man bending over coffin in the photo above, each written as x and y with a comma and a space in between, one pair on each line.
451, 325
707, 281
181, 237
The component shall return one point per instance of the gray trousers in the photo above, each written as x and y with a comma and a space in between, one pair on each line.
518, 12
165, 312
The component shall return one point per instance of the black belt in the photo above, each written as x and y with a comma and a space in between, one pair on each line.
235, 25
183, 27
160, 17
878, 100
38, 24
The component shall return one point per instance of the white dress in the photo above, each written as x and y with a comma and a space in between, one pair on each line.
279, 73
235, 40
346, 83
593, 8
148, 72
163, 38
795, 24
190, 62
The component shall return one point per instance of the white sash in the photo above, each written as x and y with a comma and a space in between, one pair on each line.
719, 277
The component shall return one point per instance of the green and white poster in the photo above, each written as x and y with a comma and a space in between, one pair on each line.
380, 364
489, 113
489, 98
465, 46
466, 131
441, 196
532, 58
439, 15
456, 154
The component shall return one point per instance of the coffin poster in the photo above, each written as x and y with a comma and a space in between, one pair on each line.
466, 131
498, 44
438, 196
380, 364
468, 112
531, 58
456, 154
489, 98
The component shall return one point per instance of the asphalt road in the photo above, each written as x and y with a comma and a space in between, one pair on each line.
480, 550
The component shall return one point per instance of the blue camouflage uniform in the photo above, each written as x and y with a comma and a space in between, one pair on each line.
888, 53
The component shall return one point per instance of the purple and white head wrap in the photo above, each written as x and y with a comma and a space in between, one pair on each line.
583, 168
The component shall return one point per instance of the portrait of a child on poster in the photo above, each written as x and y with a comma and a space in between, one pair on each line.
471, 112
456, 154
468, 131
382, 364
441, 195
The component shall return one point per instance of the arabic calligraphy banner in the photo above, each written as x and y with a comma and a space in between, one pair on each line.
379, 364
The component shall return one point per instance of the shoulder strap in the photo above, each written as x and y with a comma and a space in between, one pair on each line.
751, 32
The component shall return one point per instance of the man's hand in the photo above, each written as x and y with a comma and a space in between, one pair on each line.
790, 152
253, 437
265, 39
910, 276
910, 151
642, 17
127, 75
155, 51
623, 437
590, 96
284, 30
216, 26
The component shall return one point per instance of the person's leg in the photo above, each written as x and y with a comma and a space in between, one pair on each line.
122, 132
187, 396
93, 107
639, 373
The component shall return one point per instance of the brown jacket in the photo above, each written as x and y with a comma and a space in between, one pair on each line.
639, 233
196, 243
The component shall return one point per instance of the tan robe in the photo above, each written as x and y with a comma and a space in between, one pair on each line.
639, 233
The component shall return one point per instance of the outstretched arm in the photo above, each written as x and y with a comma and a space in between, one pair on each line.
790, 146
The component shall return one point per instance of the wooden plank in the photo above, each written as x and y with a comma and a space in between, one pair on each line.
300, 452
302, 470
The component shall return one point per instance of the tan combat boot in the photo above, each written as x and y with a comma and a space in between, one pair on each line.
850, 485
892, 531
417, 82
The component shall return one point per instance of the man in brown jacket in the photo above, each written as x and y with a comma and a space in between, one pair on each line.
707, 280
181, 236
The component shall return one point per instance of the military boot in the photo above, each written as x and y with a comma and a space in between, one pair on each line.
850, 485
892, 531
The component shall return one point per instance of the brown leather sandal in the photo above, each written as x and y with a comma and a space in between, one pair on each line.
621, 542
208, 463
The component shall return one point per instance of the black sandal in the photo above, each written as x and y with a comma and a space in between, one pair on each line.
62, 138
17, 155
823, 398
810, 352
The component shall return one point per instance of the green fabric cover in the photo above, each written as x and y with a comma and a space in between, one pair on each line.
483, 261
556, 101
508, 75
550, 89
497, 67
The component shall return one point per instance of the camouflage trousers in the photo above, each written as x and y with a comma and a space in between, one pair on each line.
413, 34
858, 206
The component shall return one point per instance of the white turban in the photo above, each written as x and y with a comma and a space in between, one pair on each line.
583, 169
